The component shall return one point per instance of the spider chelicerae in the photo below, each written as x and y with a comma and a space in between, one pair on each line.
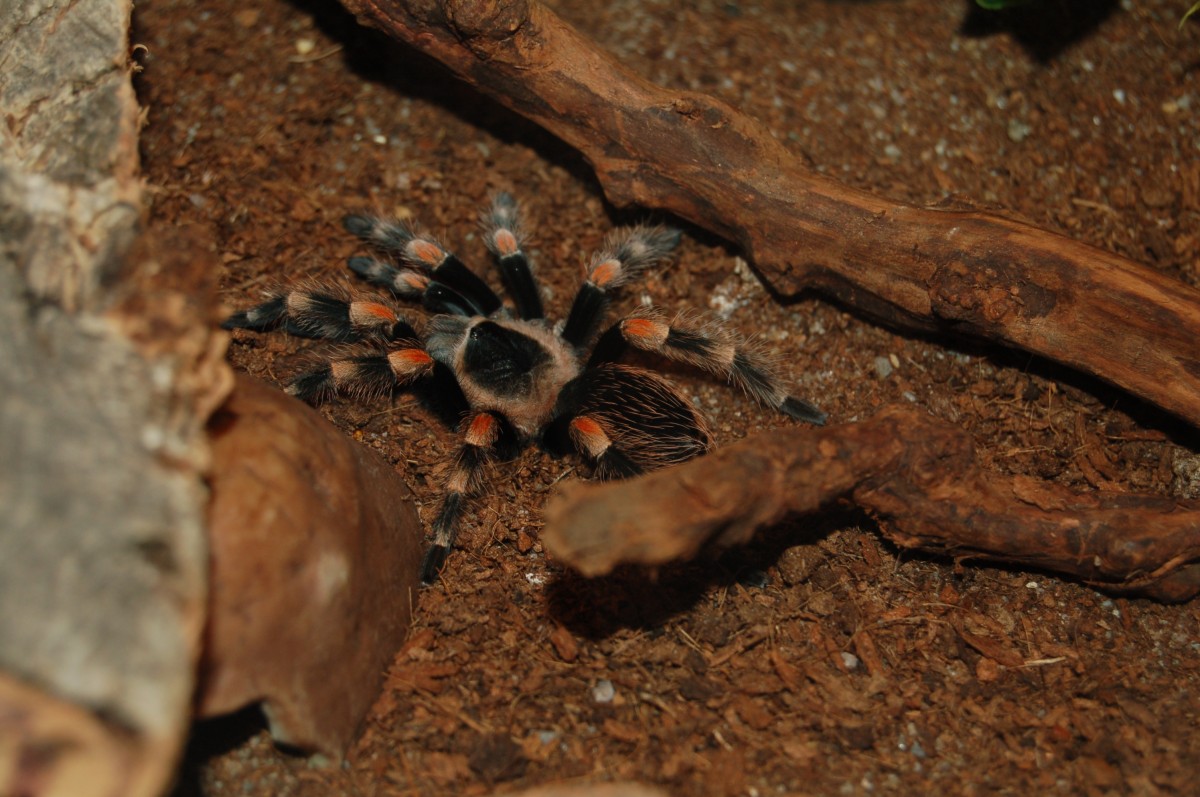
509, 374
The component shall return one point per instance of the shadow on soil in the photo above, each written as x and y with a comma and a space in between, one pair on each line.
647, 598
410, 73
1043, 28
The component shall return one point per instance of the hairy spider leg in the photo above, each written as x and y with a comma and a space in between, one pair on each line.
628, 420
365, 376
482, 436
405, 282
590, 439
624, 255
708, 347
451, 287
325, 312
397, 358
505, 239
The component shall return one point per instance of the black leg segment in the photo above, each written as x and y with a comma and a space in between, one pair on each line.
503, 234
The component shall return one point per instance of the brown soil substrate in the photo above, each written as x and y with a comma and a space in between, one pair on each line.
820, 659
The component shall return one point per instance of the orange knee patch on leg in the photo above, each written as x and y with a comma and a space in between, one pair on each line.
409, 362
589, 436
365, 314
605, 273
645, 332
505, 242
483, 430
415, 280
425, 251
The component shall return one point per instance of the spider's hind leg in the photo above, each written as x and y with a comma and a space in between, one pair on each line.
709, 347
325, 312
366, 375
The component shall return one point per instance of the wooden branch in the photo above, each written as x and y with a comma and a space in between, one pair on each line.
917, 476
971, 273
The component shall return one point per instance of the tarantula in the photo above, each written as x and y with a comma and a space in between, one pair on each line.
508, 374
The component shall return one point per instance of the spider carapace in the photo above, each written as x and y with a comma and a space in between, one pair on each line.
508, 374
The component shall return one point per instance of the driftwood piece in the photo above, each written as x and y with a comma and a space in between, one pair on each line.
315, 548
971, 273
917, 476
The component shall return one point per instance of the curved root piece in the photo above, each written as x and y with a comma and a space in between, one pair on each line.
917, 476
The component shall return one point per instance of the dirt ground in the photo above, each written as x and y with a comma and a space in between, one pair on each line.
820, 660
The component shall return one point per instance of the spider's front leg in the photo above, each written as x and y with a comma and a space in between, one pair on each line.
433, 274
709, 347
483, 435
504, 236
625, 254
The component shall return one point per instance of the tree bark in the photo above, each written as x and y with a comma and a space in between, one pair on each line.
111, 363
971, 273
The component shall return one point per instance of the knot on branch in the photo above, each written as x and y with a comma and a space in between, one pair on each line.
494, 20
987, 297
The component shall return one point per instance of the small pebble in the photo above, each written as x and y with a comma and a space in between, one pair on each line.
1018, 131
603, 691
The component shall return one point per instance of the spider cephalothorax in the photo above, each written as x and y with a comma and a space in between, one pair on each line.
508, 374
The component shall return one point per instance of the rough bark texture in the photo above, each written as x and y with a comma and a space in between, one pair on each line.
971, 273
110, 367
315, 549
915, 475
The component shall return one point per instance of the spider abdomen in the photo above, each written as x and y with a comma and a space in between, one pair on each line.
635, 412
